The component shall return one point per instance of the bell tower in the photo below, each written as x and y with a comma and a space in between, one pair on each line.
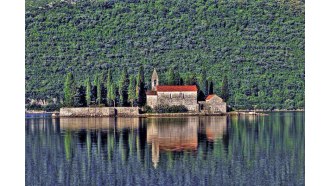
154, 80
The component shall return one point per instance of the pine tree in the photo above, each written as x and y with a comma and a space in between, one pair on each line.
141, 88
88, 91
224, 89
69, 90
132, 90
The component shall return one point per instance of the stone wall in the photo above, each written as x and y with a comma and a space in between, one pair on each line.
127, 111
152, 100
99, 111
188, 99
219, 108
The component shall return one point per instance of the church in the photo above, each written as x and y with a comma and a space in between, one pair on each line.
182, 95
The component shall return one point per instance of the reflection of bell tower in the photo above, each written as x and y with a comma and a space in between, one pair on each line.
154, 80
155, 153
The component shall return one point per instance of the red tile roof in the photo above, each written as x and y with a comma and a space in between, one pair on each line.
209, 97
176, 88
150, 92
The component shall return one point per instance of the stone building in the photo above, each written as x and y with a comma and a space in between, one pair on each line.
213, 104
182, 95
172, 94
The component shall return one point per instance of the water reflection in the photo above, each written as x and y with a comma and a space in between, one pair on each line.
184, 151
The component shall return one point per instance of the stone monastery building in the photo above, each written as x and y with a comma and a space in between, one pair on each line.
182, 95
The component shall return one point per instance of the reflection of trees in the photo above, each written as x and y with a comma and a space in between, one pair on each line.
259, 150
67, 144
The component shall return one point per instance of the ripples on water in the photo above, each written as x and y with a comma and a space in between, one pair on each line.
166, 151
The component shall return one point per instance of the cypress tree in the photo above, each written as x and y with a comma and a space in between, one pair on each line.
88, 91
99, 91
96, 79
181, 81
225, 89
211, 87
141, 88
132, 90
110, 90
177, 78
80, 97
206, 88
194, 79
94, 90
170, 77
206, 82
124, 82
69, 90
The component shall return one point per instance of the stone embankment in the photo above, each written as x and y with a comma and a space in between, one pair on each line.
99, 112
235, 113
179, 114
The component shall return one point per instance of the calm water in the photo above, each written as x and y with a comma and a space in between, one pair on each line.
166, 151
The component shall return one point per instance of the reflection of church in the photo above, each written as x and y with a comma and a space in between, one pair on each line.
172, 136
177, 135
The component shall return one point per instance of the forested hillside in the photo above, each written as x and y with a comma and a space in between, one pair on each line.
258, 45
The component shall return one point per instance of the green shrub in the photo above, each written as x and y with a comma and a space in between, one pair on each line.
147, 109
170, 109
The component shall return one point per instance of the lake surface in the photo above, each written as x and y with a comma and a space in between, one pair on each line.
244, 150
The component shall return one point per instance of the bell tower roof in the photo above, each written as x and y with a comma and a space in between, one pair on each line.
154, 74
154, 80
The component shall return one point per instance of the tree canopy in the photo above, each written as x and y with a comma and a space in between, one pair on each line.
258, 45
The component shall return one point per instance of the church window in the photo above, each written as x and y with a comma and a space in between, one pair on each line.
170, 96
154, 82
183, 96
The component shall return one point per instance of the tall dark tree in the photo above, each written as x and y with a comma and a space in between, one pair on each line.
224, 89
206, 87
177, 78
211, 87
69, 90
141, 87
94, 90
80, 97
124, 82
181, 81
200, 95
88, 91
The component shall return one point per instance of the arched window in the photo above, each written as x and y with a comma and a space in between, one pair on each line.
155, 82
170, 96
183, 95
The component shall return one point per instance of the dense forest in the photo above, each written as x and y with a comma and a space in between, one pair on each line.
257, 45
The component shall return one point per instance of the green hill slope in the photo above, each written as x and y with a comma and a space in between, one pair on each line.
258, 45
